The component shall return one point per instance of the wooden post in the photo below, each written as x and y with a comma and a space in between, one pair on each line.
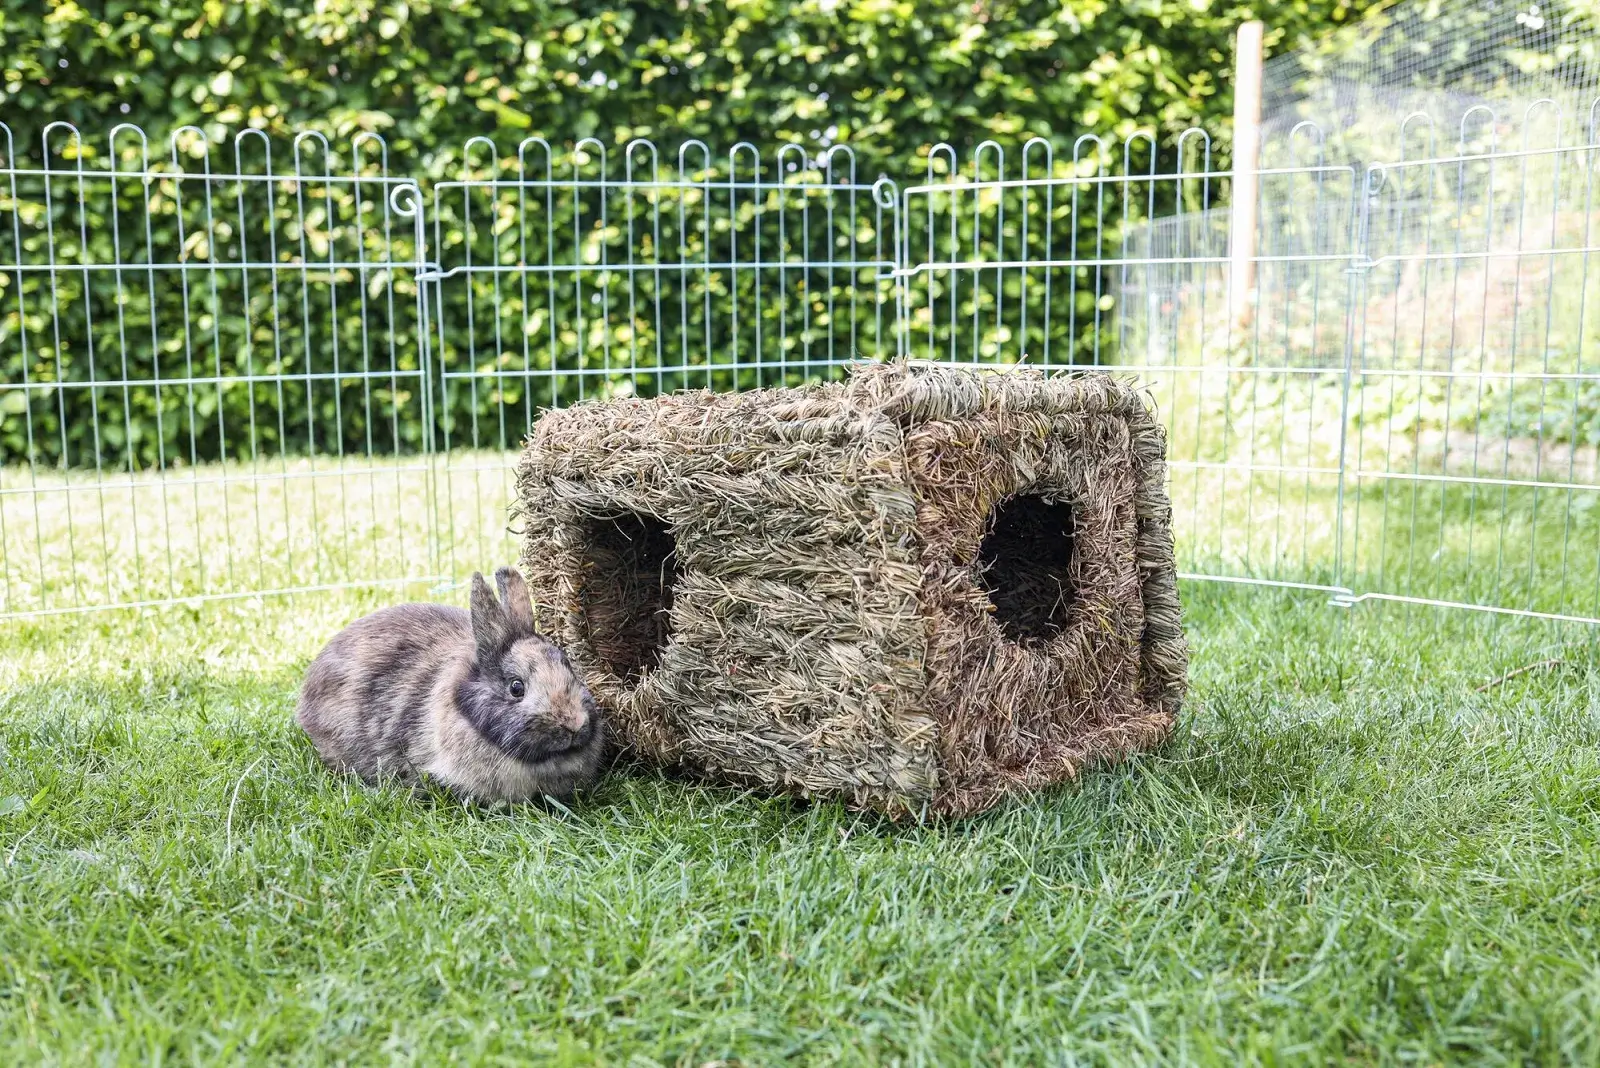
1246, 158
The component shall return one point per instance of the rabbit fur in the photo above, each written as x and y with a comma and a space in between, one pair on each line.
478, 701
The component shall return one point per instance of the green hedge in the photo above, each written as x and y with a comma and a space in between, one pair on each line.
886, 78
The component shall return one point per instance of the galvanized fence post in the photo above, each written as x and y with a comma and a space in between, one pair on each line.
1354, 317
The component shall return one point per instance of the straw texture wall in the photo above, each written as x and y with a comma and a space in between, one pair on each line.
920, 590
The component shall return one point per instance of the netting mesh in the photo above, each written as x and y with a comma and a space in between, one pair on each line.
1368, 85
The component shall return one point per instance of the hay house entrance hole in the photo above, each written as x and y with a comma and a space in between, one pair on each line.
630, 566
1025, 566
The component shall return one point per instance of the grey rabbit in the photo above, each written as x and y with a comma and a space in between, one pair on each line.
479, 702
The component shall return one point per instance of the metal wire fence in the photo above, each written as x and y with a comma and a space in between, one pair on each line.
234, 368
1366, 80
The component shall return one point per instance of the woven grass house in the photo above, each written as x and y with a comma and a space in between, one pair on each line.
919, 590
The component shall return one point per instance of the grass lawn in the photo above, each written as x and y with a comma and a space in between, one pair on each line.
1347, 851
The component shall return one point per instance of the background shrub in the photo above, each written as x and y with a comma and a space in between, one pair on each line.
886, 78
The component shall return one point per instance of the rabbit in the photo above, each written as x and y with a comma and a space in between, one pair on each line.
480, 702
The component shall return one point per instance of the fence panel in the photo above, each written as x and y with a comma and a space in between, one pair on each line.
1119, 260
567, 275
208, 385
1472, 468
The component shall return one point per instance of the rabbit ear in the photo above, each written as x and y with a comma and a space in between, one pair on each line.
490, 628
514, 598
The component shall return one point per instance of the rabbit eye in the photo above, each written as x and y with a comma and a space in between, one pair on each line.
517, 689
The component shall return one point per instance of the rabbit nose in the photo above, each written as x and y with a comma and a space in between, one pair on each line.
574, 714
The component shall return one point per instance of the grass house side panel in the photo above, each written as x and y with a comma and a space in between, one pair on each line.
1031, 492
737, 577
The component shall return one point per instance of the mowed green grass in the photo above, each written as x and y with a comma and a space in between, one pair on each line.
1347, 851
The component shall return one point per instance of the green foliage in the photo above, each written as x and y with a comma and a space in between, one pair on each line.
892, 75
887, 79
